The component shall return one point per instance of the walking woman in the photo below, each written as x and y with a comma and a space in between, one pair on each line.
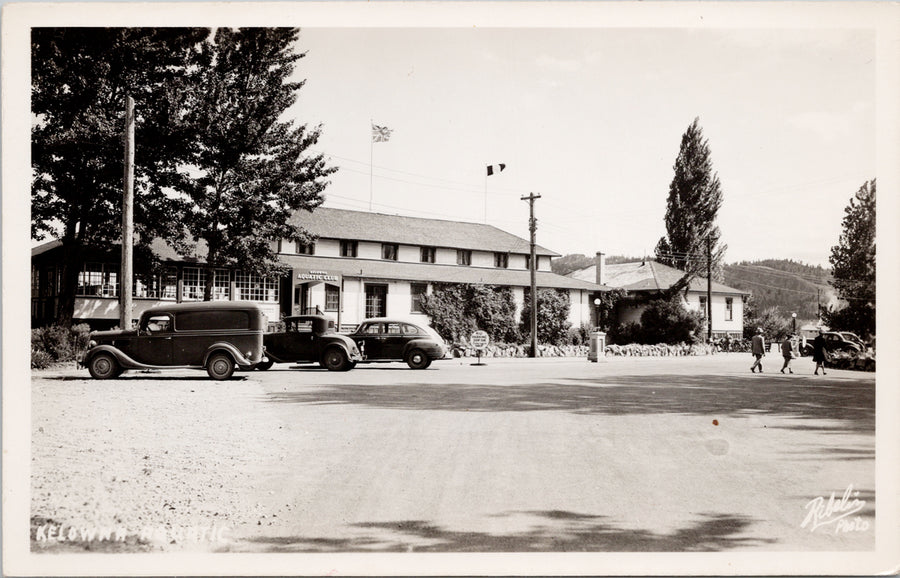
819, 352
787, 351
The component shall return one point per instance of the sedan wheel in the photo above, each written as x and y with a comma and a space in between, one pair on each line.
104, 366
220, 366
417, 359
335, 360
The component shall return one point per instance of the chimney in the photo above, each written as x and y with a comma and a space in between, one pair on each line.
601, 268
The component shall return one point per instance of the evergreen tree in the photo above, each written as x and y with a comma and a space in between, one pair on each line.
251, 168
853, 262
79, 80
693, 203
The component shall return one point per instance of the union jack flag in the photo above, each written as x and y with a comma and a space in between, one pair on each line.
380, 133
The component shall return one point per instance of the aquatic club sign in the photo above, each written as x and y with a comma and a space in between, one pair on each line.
318, 276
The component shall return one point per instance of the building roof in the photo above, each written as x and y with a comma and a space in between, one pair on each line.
401, 271
648, 276
364, 226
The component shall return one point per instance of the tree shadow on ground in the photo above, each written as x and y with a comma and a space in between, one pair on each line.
845, 404
557, 531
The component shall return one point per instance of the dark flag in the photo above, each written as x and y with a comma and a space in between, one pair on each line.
490, 169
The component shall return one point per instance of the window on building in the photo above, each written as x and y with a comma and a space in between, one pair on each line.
376, 300
389, 251
169, 284
222, 285
703, 308
417, 293
729, 309
250, 287
501, 260
98, 280
304, 248
528, 262
428, 254
463, 257
194, 283
348, 248
146, 286
332, 298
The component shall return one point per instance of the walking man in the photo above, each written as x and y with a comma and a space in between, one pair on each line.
758, 349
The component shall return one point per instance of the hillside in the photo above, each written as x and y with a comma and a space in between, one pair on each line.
789, 286
786, 285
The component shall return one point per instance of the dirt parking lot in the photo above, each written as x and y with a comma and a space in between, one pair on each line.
676, 454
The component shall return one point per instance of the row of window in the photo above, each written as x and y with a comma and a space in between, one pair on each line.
390, 252
102, 280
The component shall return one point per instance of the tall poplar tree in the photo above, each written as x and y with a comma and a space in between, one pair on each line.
695, 197
853, 260
79, 80
251, 170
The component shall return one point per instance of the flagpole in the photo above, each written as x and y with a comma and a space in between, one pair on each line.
371, 154
485, 198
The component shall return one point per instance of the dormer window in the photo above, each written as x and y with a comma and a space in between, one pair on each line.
501, 260
463, 257
427, 254
304, 249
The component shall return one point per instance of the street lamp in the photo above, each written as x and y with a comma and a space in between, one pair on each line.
597, 310
794, 322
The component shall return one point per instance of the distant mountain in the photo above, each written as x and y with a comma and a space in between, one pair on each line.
785, 285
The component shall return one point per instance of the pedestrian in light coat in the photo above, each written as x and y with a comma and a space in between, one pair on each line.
758, 349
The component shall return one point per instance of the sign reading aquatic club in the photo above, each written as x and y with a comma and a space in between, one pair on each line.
318, 276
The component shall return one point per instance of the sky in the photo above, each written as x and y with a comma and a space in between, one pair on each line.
591, 119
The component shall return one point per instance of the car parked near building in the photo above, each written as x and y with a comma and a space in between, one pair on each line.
310, 339
834, 341
382, 339
216, 335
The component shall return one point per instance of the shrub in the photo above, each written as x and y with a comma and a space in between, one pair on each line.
458, 309
669, 321
553, 316
58, 343
580, 335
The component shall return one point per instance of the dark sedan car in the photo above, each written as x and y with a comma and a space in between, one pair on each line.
392, 340
835, 341
310, 339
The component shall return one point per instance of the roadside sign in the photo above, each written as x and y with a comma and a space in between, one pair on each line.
479, 339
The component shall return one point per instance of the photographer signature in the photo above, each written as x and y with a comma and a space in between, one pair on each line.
836, 511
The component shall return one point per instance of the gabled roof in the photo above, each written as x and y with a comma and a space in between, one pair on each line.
379, 227
648, 276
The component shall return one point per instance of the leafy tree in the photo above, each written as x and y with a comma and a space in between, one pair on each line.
853, 260
79, 80
553, 314
251, 168
694, 199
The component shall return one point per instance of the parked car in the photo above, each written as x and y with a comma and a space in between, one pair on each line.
834, 341
381, 339
310, 339
854, 338
215, 335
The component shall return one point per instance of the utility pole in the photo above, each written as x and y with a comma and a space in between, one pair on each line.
708, 288
126, 269
532, 226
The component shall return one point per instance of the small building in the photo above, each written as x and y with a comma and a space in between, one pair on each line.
645, 278
361, 265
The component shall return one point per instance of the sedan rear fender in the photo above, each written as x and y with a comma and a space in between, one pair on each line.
239, 358
423, 344
347, 345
